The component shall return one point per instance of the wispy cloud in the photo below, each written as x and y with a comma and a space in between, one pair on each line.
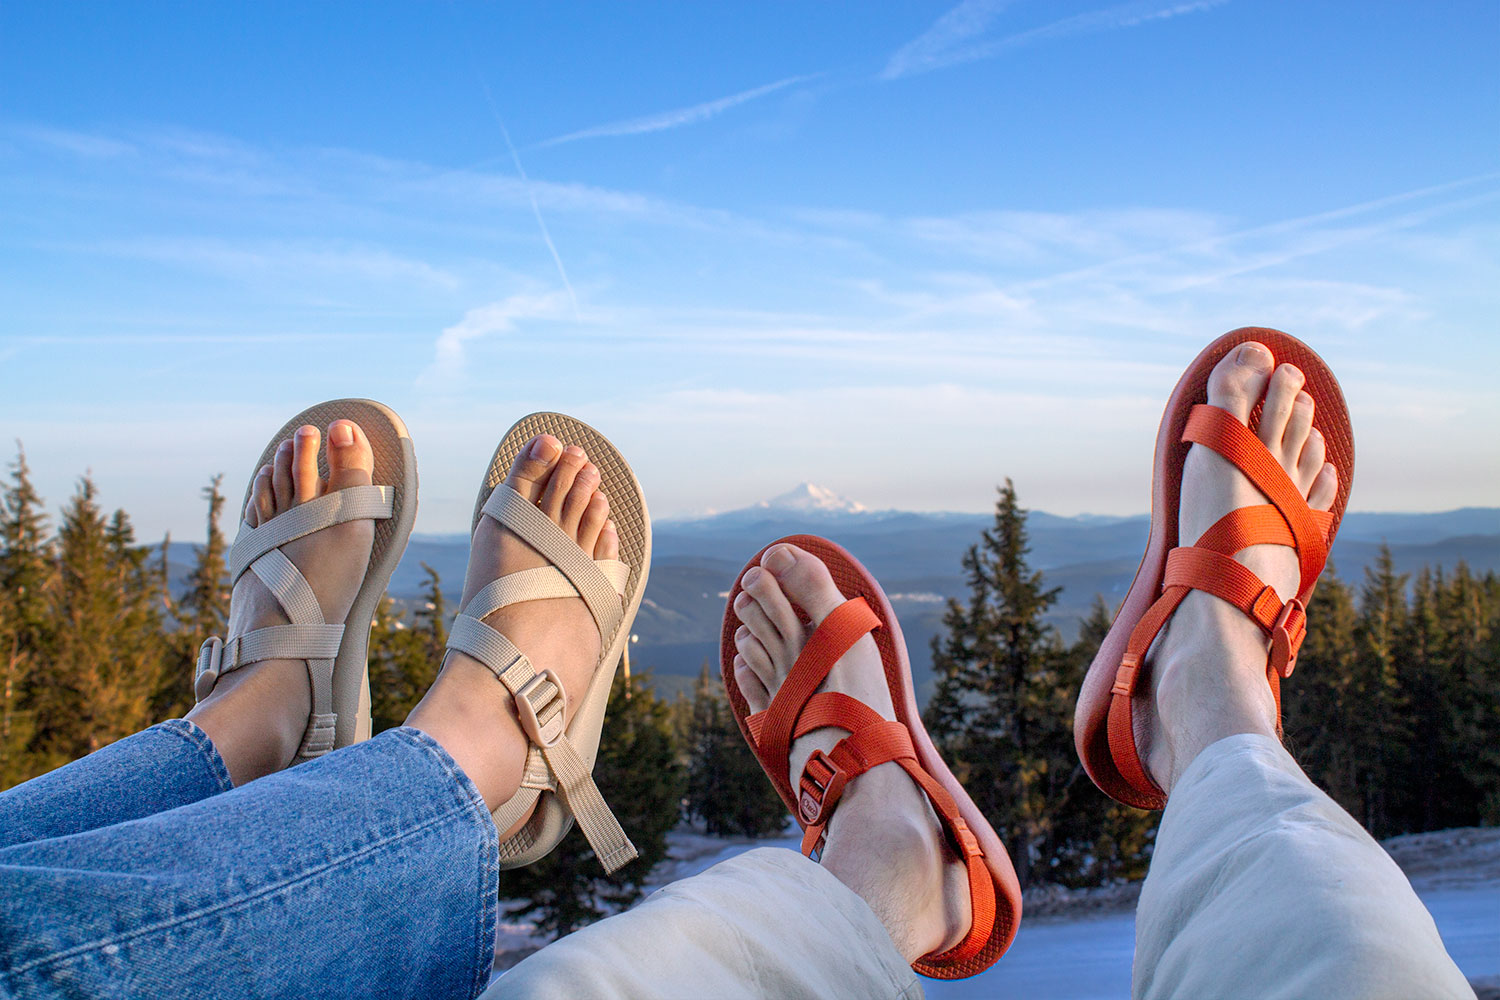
500, 317
675, 118
959, 35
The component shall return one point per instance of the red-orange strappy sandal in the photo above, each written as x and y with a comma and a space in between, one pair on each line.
1102, 725
797, 710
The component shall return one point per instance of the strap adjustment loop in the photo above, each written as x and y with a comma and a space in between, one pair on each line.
821, 787
210, 666
541, 709
1287, 635
1125, 677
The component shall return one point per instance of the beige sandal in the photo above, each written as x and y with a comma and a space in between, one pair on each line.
558, 784
336, 655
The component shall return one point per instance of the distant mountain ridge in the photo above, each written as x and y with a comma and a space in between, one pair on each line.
917, 558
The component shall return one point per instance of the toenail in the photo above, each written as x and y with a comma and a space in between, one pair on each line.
751, 575
342, 435
779, 559
574, 451
544, 447
307, 430
1254, 356
742, 633
742, 600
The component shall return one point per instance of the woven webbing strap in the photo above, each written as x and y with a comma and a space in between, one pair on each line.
1209, 565
553, 763
308, 637
872, 741
357, 503
541, 705
536, 529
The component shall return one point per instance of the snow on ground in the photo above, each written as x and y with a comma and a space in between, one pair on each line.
1082, 948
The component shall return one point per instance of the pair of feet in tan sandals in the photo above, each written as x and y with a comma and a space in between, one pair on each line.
812, 651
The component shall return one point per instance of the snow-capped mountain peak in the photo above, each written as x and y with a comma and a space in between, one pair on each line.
811, 497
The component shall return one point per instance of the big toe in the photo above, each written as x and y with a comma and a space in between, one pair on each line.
804, 579
1240, 378
351, 461
529, 472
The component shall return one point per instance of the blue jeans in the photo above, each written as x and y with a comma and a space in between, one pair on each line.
139, 871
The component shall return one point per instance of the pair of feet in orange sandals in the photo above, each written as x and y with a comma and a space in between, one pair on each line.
815, 666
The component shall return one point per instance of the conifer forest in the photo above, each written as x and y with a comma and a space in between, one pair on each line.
1394, 708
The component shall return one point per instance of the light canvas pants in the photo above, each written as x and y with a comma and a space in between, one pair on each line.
1261, 886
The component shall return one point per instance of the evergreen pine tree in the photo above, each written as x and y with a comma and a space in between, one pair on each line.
1321, 710
201, 611
639, 773
1377, 746
727, 789
1004, 697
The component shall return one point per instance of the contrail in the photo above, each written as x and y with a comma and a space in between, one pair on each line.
536, 209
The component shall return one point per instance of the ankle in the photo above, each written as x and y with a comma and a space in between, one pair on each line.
886, 845
472, 717
256, 717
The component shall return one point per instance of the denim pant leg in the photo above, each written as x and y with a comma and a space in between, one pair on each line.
370, 872
166, 766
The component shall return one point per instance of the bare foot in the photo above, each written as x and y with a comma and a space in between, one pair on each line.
256, 715
467, 710
1208, 669
884, 840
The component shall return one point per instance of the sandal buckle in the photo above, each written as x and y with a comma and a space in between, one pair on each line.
542, 724
1286, 637
210, 665
820, 788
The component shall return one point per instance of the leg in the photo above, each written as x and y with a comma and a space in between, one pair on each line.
371, 871
169, 765
1259, 878
886, 891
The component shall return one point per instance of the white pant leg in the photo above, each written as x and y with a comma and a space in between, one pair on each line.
1261, 886
768, 923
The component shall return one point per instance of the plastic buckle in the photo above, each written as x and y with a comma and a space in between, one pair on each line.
1286, 637
210, 665
820, 788
543, 734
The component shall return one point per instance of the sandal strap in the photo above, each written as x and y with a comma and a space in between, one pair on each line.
539, 584
843, 627
1209, 565
798, 708
541, 705
536, 529
1222, 431
357, 503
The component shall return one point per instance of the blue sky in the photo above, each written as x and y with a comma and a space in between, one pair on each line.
900, 250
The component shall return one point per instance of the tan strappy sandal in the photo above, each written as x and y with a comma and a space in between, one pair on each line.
336, 653
558, 784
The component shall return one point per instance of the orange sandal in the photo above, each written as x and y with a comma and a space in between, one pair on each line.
796, 710
1102, 725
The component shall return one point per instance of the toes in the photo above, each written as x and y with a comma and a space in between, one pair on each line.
1310, 459
758, 624
755, 654
804, 579
1298, 424
773, 603
1325, 488
1281, 396
608, 546
305, 479
351, 461
751, 686
528, 473
1239, 379
580, 494
591, 524
262, 505
281, 476
569, 464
